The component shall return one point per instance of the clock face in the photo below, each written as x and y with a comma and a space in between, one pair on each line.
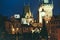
16, 16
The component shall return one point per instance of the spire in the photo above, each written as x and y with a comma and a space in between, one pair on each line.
27, 11
52, 2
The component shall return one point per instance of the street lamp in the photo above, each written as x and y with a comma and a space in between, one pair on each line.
13, 30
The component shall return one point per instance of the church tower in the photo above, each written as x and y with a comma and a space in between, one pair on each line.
27, 11
47, 6
28, 17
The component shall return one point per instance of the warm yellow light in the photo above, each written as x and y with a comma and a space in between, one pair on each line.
46, 21
13, 29
33, 31
47, 18
17, 29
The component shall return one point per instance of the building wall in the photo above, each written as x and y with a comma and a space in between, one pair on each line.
58, 33
52, 28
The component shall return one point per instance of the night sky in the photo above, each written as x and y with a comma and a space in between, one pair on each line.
10, 7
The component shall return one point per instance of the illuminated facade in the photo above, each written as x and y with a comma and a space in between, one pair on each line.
45, 10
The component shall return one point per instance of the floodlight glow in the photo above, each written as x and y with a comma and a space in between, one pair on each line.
16, 16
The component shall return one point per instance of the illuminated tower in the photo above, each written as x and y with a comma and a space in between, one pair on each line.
28, 13
28, 17
45, 10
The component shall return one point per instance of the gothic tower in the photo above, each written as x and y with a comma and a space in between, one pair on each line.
27, 12
47, 6
28, 17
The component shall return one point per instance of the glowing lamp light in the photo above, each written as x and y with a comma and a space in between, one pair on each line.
17, 29
13, 29
47, 18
